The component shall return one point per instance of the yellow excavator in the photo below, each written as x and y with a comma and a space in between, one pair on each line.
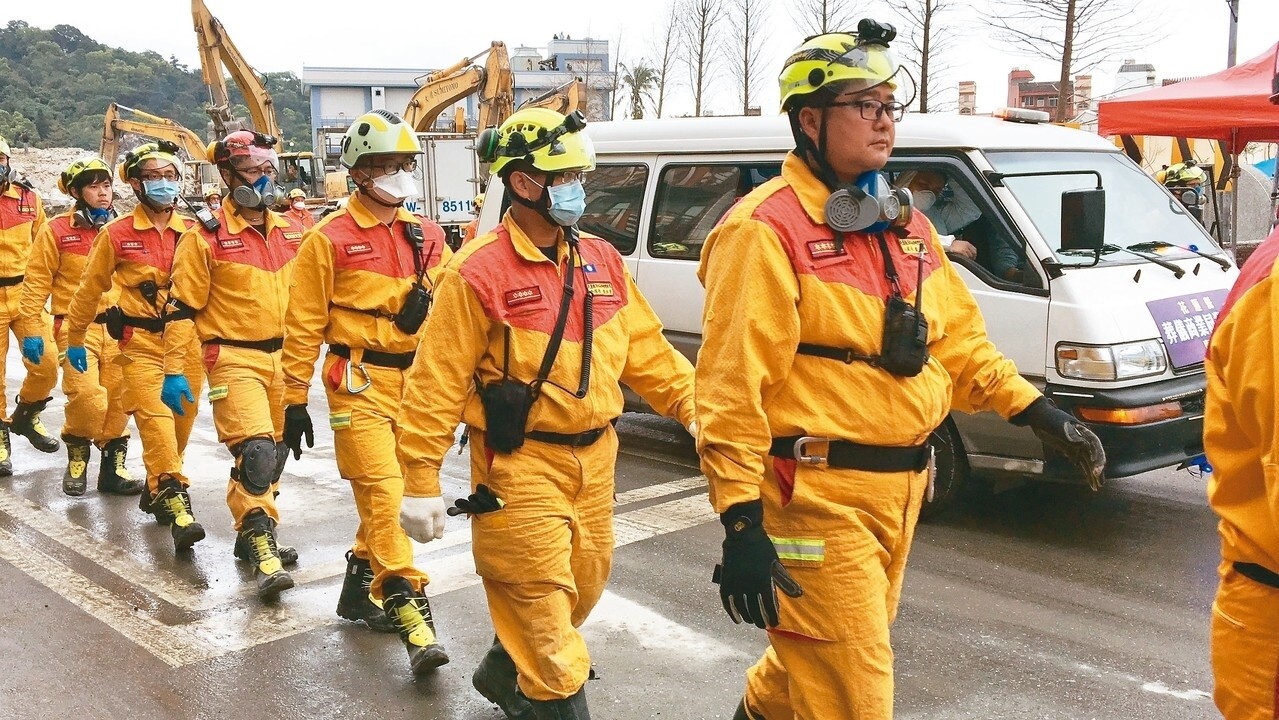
494, 81
137, 122
564, 99
297, 169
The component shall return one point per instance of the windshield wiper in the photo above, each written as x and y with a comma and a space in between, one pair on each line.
1176, 271
1151, 245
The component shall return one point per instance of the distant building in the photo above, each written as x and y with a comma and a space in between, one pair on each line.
967, 97
340, 94
1133, 77
1024, 92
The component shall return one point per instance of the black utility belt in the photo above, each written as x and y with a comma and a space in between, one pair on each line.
267, 346
1258, 573
398, 361
852, 455
153, 325
11, 281
99, 318
582, 439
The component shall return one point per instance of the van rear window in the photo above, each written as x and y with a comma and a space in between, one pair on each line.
614, 197
691, 199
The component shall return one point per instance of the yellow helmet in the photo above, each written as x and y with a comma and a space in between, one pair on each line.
211, 190
4, 147
162, 150
67, 179
862, 57
479, 201
547, 140
379, 132
1184, 173
296, 193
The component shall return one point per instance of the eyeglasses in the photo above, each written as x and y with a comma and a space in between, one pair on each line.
874, 109
390, 167
567, 177
152, 177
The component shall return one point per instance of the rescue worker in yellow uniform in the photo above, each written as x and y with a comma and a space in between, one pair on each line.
362, 285
533, 331
472, 228
135, 254
212, 198
836, 337
21, 217
95, 398
1241, 439
298, 211
231, 289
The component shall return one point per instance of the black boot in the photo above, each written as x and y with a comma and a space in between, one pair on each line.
75, 479
573, 708
113, 477
172, 506
743, 714
495, 680
411, 613
257, 531
288, 554
6, 464
26, 422
355, 603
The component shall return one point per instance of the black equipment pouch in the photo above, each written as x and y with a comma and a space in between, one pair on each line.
150, 291
417, 303
114, 322
904, 345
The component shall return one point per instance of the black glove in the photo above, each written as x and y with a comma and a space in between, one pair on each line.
1060, 431
296, 424
477, 503
751, 574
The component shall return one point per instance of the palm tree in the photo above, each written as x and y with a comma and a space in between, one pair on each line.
640, 79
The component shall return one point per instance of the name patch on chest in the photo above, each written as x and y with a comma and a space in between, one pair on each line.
27, 209
600, 289
231, 243
292, 236
911, 246
132, 246
69, 239
523, 296
361, 248
818, 249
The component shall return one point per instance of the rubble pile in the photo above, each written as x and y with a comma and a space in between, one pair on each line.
42, 166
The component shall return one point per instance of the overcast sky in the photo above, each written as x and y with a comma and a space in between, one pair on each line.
280, 36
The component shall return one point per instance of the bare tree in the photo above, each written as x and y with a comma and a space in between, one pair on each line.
815, 17
747, 19
928, 36
698, 39
666, 49
1077, 34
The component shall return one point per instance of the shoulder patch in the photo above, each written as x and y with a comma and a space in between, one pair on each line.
523, 296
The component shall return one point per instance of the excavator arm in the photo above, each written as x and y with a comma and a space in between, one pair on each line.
148, 125
494, 82
217, 51
563, 99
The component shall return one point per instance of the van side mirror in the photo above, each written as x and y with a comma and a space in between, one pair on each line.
1083, 219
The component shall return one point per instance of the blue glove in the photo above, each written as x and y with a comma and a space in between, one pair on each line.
78, 357
33, 349
175, 389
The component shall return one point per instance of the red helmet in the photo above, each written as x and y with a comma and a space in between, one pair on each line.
244, 143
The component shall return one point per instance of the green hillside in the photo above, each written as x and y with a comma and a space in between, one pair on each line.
56, 84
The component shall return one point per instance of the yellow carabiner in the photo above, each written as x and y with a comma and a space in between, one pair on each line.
368, 381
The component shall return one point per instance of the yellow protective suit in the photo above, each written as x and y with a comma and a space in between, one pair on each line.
95, 398
129, 253
351, 278
237, 283
21, 217
1241, 438
546, 556
774, 278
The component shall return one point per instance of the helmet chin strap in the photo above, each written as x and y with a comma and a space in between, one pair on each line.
542, 206
814, 154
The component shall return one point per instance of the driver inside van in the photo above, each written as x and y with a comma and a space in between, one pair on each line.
960, 224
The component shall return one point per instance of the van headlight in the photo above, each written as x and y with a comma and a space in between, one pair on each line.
1111, 362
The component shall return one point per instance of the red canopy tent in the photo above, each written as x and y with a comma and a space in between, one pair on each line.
1232, 106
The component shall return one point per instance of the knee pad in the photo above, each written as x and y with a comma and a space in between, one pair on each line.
281, 457
255, 464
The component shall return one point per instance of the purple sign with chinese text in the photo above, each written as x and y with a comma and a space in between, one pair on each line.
1186, 323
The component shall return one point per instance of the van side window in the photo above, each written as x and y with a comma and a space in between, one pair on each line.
963, 221
614, 197
691, 199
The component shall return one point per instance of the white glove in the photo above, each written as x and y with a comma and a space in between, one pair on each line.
423, 518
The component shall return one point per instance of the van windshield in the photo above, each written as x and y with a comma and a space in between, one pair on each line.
1140, 215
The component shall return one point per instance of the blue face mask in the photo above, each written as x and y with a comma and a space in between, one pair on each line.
568, 202
161, 192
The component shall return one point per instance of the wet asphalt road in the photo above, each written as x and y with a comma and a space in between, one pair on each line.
1047, 602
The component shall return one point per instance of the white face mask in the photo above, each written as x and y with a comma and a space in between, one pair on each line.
299, 204
398, 186
924, 199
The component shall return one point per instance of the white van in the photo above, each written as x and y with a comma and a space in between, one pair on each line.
1116, 338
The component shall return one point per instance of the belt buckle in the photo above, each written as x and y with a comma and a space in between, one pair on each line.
800, 446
